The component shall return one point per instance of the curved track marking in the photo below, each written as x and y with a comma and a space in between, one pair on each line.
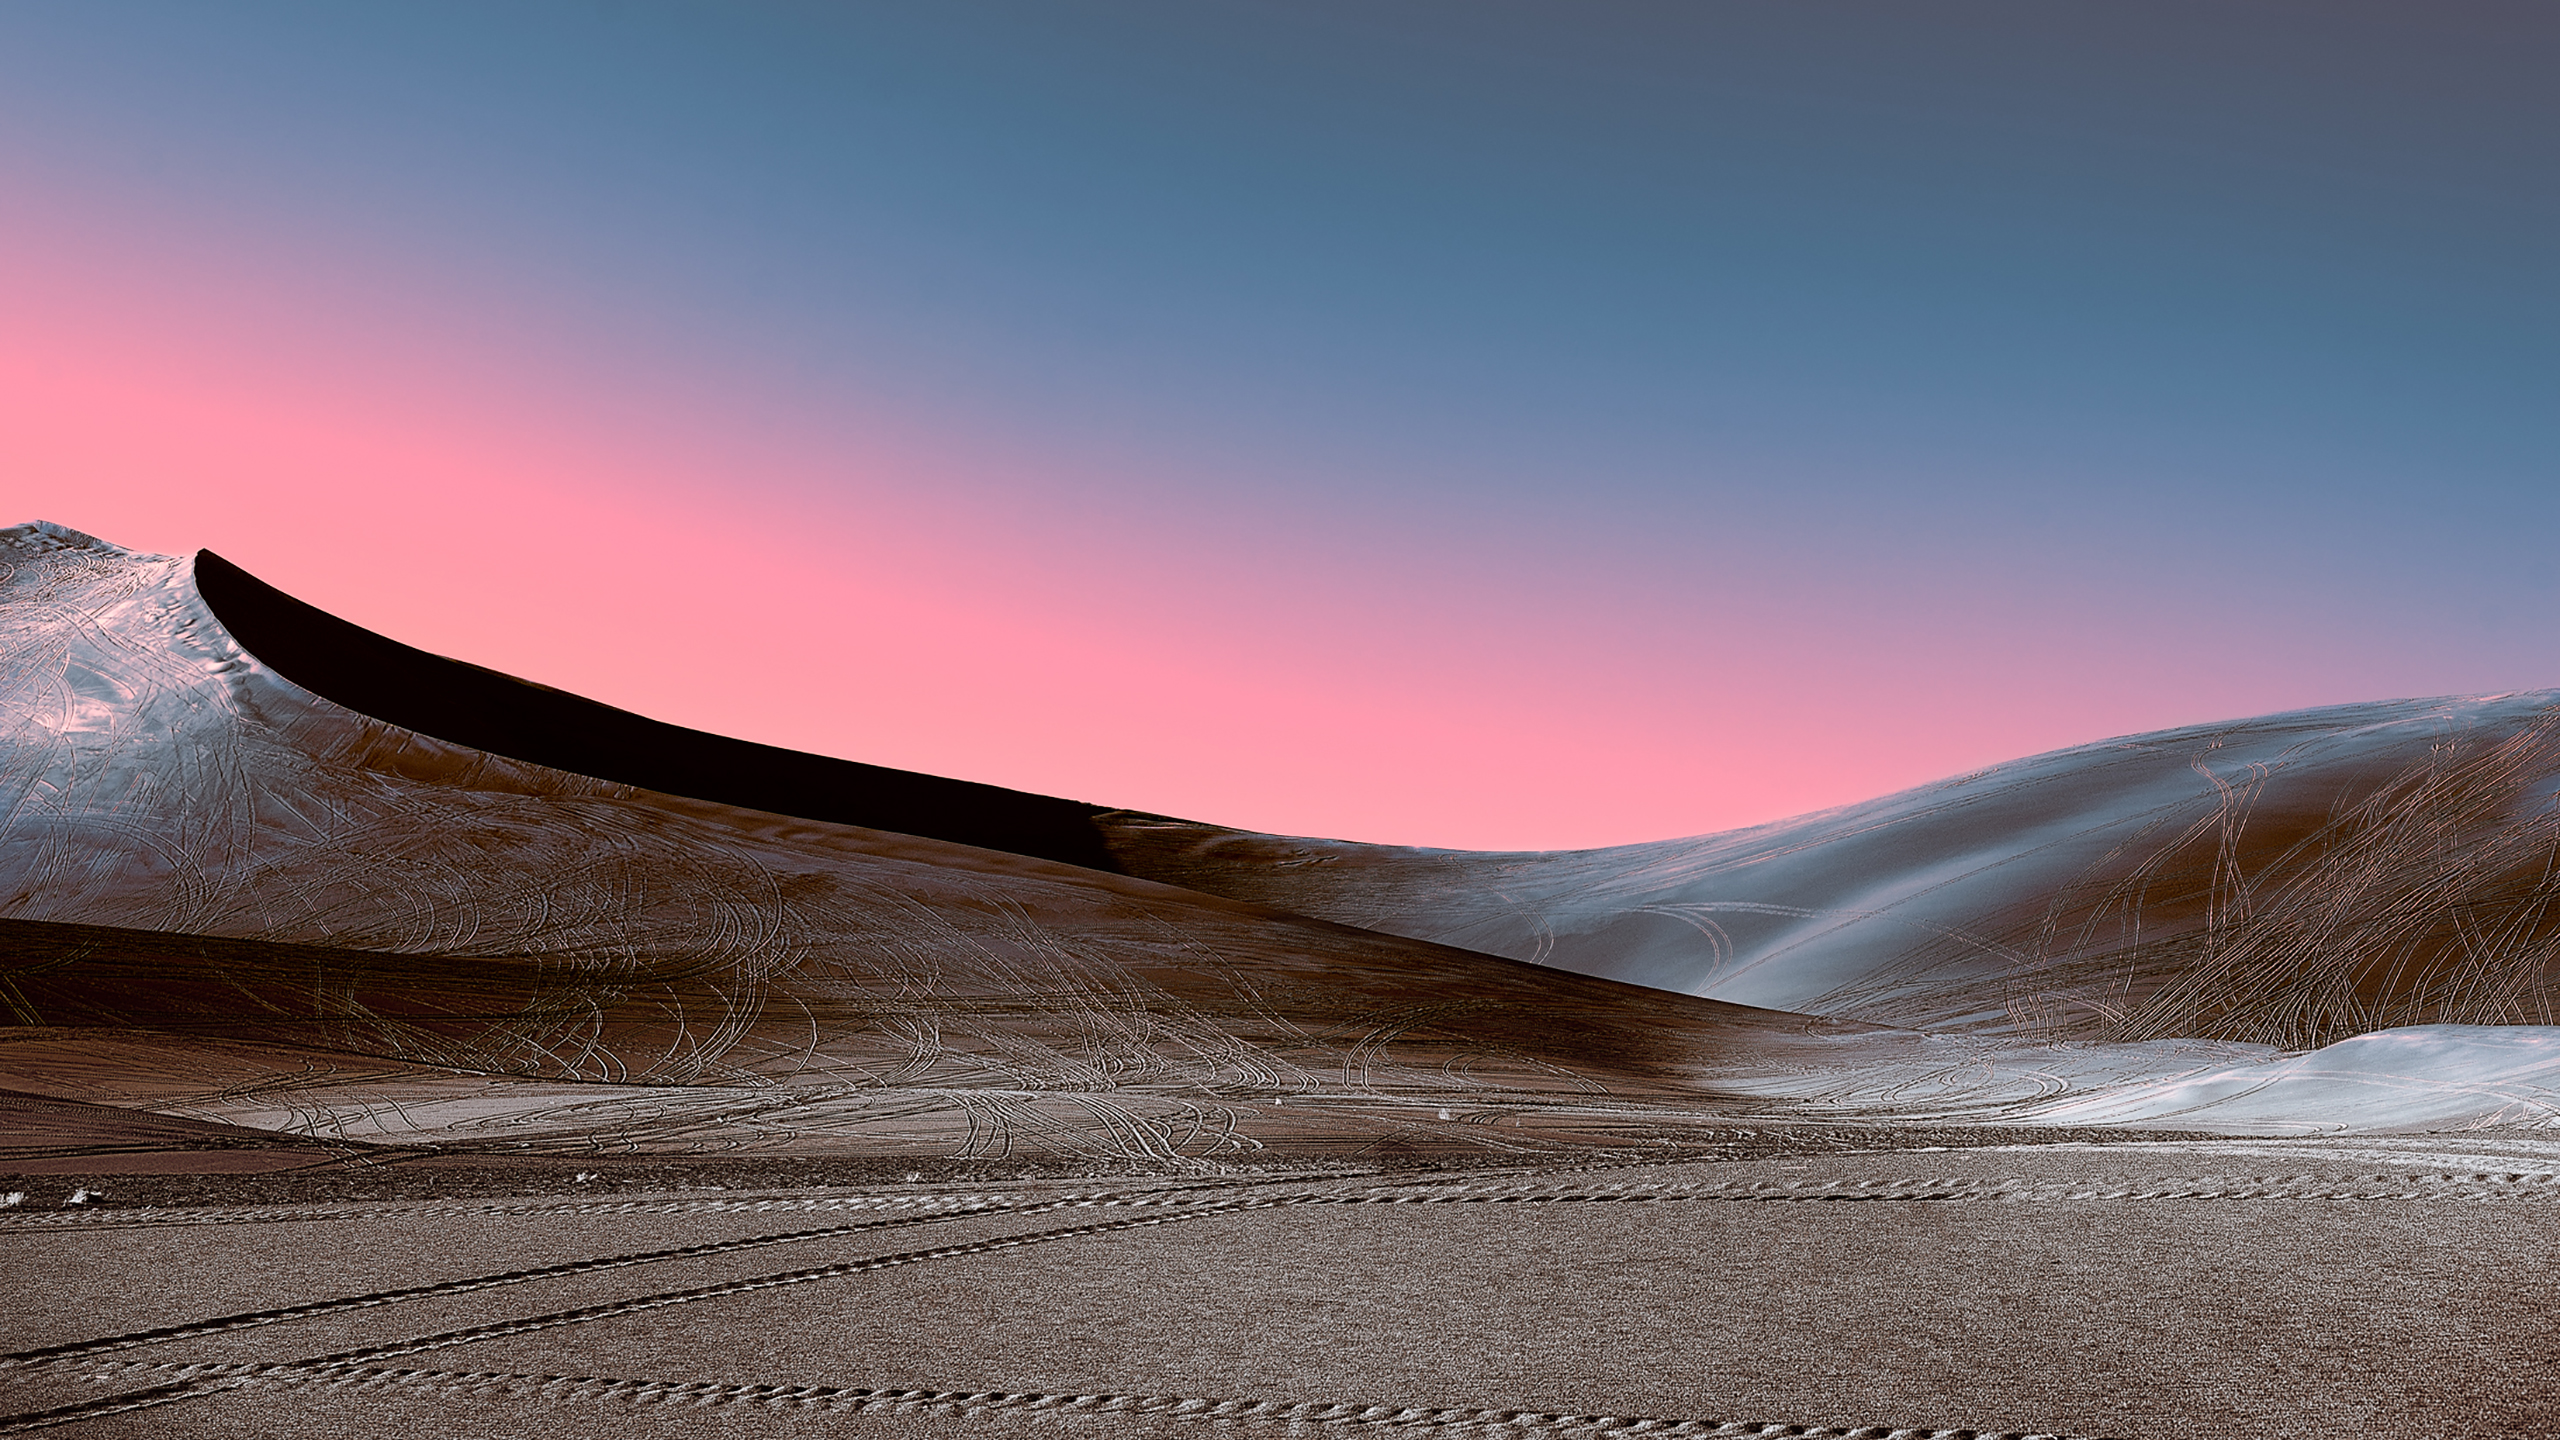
191, 1389
359, 1366
586, 1313
2287, 1187
253, 1318
742, 1205
1909, 1193
371, 1299
192, 1380
143, 1217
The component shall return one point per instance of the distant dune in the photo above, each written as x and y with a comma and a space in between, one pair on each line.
2286, 881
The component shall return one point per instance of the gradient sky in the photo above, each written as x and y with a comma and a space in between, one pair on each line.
1469, 423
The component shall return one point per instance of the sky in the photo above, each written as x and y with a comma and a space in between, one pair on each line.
1475, 424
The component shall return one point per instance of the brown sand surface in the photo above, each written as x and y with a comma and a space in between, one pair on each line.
394, 1325
145, 1277
485, 1412
2093, 1317
2202, 1296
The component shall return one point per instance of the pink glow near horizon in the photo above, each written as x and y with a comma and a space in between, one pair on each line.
906, 595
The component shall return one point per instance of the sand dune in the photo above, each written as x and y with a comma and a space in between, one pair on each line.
343, 926
2288, 881
196, 848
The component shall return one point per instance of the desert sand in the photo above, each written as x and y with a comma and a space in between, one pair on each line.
401, 1047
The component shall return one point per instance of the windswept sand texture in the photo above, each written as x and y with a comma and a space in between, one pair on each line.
202, 856
358, 1079
2286, 881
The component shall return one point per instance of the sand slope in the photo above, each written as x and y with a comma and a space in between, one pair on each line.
2289, 881
195, 848
226, 897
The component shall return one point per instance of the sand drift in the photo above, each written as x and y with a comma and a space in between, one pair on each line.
268, 881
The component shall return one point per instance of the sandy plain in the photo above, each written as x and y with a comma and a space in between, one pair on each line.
2168, 1288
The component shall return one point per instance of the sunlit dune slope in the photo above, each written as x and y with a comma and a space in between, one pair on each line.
201, 854
2288, 881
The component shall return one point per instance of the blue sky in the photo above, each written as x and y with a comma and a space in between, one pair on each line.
1805, 399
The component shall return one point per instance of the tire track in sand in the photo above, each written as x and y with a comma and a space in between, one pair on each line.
189, 1380
191, 1389
371, 1299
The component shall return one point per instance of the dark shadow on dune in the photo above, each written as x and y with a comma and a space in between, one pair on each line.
1307, 995
44, 1128
433, 1008
468, 705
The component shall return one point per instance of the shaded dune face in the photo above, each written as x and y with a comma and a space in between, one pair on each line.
82, 1138
482, 709
2287, 881
200, 853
